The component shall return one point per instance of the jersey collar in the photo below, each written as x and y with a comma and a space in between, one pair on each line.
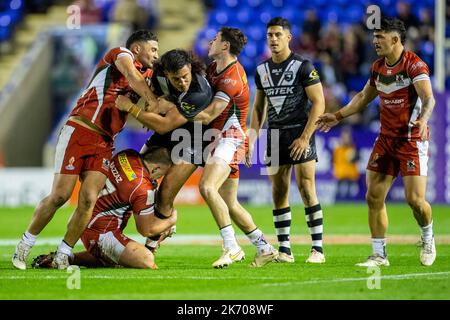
396, 62
226, 68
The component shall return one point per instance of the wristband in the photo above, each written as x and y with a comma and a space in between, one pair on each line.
338, 115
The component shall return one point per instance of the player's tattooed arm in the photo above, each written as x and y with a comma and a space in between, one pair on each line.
425, 93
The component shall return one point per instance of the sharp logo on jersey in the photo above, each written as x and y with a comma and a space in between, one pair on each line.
411, 166
115, 172
313, 75
394, 101
279, 91
70, 165
288, 75
188, 108
126, 167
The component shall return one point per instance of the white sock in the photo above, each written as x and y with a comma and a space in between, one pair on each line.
379, 246
257, 238
29, 239
427, 232
65, 248
229, 239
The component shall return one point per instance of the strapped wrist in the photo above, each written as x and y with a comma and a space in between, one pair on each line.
134, 110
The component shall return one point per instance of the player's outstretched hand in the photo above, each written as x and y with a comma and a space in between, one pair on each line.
123, 103
422, 125
326, 122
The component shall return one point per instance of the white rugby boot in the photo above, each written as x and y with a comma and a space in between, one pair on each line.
427, 252
228, 257
283, 257
19, 259
315, 257
374, 260
262, 258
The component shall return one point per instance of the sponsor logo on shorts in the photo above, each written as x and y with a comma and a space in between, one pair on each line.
126, 167
105, 164
373, 162
410, 166
70, 165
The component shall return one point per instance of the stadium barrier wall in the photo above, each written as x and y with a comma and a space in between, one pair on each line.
25, 107
26, 186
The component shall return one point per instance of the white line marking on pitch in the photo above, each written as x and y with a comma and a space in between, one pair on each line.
388, 277
435, 275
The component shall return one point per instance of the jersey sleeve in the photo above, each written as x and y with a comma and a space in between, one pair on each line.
142, 201
308, 74
194, 102
258, 81
371, 80
120, 52
418, 70
228, 88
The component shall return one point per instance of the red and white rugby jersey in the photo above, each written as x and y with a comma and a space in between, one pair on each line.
96, 103
128, 188
231, 86
399, 102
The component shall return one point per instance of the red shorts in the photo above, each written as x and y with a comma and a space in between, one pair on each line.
80, 149
393, 155
231, 147
107, 247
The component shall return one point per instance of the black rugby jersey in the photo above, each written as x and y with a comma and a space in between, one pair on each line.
189, 103
284, 86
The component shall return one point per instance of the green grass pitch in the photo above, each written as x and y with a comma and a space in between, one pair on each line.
185, 270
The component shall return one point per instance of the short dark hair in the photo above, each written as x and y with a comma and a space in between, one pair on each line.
175, 59
279, 21
159, 155
389, 24
235, 37
141, 35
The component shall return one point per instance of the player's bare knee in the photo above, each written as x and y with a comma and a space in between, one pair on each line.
57, 199
86, 202
415, 203
374, 200
207, 190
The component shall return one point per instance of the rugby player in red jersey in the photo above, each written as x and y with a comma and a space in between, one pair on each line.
85, 143
402, 81
130, 187
220, 179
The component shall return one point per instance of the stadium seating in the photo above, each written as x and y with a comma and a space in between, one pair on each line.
252, 15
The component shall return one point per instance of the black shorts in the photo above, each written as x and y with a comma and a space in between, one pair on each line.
277, 148
190, 149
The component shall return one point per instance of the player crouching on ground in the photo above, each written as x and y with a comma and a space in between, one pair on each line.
130, 187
